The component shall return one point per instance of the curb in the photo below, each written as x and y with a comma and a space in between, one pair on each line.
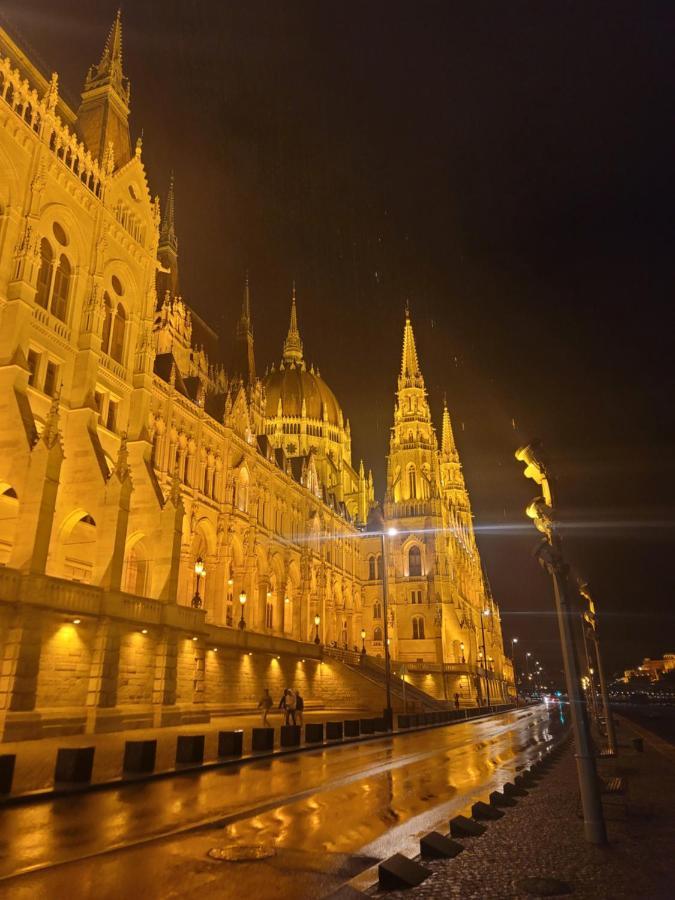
461, 828
46, 794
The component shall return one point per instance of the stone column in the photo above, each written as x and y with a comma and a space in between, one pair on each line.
198, 692
167, 561
104, 671
38, 499
19, 664
164, 682
112, 524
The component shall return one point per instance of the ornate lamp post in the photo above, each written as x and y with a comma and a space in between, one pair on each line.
514, 641
317, 619
486, 612
242, 601
549, 554
200, 571
363, 642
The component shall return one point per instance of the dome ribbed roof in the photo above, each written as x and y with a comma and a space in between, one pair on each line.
294, 384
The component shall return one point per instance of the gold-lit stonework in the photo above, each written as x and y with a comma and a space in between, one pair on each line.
145, 489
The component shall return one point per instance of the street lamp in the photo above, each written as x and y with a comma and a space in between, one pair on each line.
200, 571
317, 619
242, 601
363, 642
549, 553
514, 641
486, 612
388, 711
589, 622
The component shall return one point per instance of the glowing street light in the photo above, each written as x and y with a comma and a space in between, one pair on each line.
363, 642
242, 602
200, 571
317, 619
549, 554
514, 641
486, 612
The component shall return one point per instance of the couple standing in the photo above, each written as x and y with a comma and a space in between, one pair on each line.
293, 706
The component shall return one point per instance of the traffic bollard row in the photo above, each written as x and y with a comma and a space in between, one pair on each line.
74, 765
399, 872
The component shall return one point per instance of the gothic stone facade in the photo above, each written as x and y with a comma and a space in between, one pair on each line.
130, 459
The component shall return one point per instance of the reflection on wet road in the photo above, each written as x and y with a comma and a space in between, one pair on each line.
325, 804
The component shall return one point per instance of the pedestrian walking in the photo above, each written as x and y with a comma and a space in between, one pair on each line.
265, 706
299, 709
456, 701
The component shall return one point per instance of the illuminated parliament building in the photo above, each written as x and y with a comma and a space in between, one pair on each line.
176, 530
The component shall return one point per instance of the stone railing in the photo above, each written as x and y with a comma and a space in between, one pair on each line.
39, 114
77, 599
115, 368
54, 325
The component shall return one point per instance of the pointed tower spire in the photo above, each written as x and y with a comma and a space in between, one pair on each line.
448, 448
244, 357
167, 249
292, 352
103, 116
410, 367
167, 234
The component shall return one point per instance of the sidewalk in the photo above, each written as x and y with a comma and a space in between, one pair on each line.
543, 837
34, 769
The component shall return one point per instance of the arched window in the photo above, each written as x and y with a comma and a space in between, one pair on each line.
44, 279
107, 323
377, 634
414, 562
418, 628
379, 567
61, 290
117, 336
412, 482
377, 610
371, 568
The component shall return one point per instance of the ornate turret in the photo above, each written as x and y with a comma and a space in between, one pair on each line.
413, 445
103, 116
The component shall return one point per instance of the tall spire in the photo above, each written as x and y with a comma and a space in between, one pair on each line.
448, 448
244, 359
410, 367
167, 234
167, 249
246, 304
292, 352
103, 116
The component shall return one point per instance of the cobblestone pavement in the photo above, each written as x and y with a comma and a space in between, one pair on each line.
543, 836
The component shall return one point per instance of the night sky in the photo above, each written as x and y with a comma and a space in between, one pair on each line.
505, 166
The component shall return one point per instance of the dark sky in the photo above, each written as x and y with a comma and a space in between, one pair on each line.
508, 167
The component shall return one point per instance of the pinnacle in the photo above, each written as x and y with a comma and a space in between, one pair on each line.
410, 367
292, 352
168, 233
109, 69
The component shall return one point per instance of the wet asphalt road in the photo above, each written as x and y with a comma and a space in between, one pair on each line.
328, 813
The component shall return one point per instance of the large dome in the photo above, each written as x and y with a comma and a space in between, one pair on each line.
293, 384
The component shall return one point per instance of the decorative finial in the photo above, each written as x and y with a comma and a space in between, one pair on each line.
292, 352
